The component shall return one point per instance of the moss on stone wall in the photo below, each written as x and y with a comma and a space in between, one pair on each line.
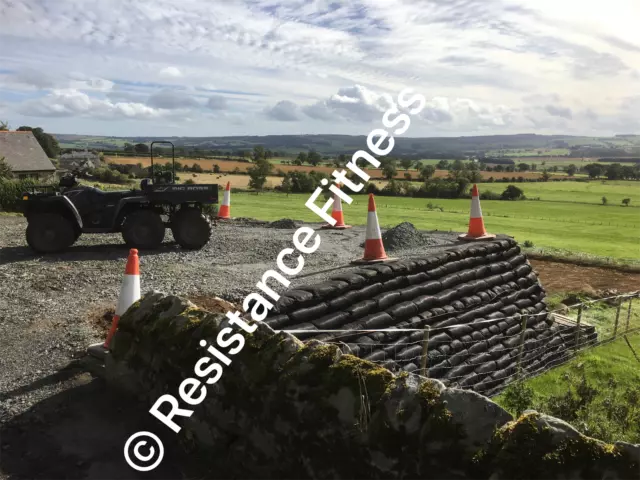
292, 410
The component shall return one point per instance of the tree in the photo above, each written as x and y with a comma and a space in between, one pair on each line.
258, 173
216, 169
523, 167
258, 153
571, 170
301, 159
545, 175
141, 148
426, 172
197, 168
614, 171
389, 169
314, 157
4, 126
48, 142
594, 170
512, 193
442, 165
456, 166
418, 165
406, 163
407, 176
626, 202
129, 148
5, 169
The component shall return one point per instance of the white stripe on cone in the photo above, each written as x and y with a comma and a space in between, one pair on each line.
129, 293
373, 228
226, 199
476, 212
337, 203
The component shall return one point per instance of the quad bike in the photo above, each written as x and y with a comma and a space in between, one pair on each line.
58, 216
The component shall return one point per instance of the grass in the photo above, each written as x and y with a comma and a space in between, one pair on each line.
575, 192
610, 369
609, 231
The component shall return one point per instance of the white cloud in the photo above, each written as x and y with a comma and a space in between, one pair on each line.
71, 102
170, 72
474, 59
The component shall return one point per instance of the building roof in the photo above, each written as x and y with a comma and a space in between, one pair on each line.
23, 153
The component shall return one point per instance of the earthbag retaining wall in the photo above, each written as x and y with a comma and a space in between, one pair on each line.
472, 296
282, 409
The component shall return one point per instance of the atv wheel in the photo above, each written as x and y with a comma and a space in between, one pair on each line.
191, 229
143, 229
49, 232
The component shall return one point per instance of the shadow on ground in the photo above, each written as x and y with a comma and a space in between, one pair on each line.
80, 433
79, 253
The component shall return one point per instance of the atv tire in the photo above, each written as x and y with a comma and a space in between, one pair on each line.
49, 232
143, 229
191, 229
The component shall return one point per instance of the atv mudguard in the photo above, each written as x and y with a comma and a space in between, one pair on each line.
54, 204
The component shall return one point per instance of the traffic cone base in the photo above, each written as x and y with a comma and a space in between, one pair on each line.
467, 237
335, 227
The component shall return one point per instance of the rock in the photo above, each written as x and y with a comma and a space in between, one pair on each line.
478, 415
285, 223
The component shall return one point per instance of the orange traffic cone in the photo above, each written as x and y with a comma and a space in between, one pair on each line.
476, 224
225, 209
129, 292
336, 213
373, 246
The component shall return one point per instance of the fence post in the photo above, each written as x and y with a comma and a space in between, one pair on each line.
425, 348
615, 327
578, 328
521, 350
628, 315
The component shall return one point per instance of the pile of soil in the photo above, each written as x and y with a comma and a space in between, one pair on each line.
404, 236
284, 223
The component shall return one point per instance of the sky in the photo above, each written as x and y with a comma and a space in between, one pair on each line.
261, 67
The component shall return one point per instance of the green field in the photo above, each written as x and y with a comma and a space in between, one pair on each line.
605, 231
610, 369
577, 192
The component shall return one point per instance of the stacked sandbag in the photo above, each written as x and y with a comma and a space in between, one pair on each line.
473, 298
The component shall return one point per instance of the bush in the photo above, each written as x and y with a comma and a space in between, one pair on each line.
216, 169
527, 244
11, 191
189, 182
490, 196
512, 193
517, 398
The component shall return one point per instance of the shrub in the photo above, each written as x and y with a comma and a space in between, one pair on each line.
512, 193
517, 398
490, 196
189, 181
10, 192
527, 244
216, 169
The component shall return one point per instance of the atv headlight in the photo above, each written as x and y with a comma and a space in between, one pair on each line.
25, 197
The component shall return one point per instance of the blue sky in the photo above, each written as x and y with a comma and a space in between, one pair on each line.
258, 67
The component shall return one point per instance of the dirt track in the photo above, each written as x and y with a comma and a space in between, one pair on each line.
557, 277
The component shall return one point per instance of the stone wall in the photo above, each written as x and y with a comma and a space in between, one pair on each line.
283, 409
472, 297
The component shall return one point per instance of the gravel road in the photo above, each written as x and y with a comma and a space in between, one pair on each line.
51, 306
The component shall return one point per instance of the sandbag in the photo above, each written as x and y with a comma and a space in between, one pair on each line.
403, 310
377, 320
350, 278
456, 345
409, 353
479, 347
459, 357
370, 291
361, 308
410, 293
343, 301
459, 330
376, 356
386, 299
326, 289
450, 281
310, 313
460, 371
395, 284
417, 278
331, 321
424, 302
437, 340
278, 321
477, 336
458, 305
487, 367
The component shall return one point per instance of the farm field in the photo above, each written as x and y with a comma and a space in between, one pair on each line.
578, 192
229, 166
610, 231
